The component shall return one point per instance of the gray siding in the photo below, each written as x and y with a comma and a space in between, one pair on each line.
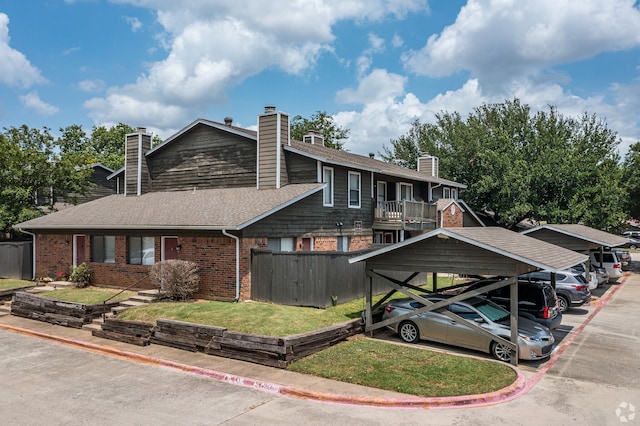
269, 148
301, 169
204, 157
131, 163
100, 186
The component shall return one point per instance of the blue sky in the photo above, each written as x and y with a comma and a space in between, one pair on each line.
375, 65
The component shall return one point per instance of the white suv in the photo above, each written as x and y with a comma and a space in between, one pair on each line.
609, 262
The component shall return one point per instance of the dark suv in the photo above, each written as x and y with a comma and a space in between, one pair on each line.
571, 287
536, 301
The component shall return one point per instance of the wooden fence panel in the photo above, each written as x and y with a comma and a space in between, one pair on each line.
316, 279
16, 261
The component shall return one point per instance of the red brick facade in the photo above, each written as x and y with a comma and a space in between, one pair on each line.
452, 216
214, 255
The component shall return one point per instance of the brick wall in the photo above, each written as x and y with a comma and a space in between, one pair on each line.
214, 255
452, 216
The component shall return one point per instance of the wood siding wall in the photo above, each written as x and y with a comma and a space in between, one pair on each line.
269, 148
205, 157
132, 154
101, 187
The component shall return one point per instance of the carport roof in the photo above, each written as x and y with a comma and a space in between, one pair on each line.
472, 250
575, 236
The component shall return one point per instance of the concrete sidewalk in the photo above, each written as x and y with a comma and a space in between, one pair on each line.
273, 379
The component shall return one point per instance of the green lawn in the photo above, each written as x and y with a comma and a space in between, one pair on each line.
86, 296
6, 284
405, 369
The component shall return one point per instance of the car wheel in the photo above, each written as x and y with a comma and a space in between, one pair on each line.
563, 304
409, 332
501, 352
633, 247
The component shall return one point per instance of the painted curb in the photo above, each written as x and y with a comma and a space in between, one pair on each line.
518, 388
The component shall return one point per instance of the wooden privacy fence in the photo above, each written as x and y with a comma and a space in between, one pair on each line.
15, 260
315, 279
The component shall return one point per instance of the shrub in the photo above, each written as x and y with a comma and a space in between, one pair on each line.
178, 279
81, 275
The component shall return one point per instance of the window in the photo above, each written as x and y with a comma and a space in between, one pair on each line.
281, 244
141, 250
343, 243
327, 177
103, 248
446, 192
405, 191
354, 190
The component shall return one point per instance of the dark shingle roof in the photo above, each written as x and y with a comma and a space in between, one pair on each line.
344, 158
583, 232
207, 209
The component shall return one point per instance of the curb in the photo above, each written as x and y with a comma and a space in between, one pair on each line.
518, 388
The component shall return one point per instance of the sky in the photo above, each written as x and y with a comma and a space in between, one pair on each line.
375, 66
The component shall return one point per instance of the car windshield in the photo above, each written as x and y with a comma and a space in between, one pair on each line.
492, 311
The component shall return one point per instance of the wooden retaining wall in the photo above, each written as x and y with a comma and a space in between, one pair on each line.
55, 311
266, 350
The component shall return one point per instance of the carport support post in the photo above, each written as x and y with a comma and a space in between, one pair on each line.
434, 279
369, 300
514, 318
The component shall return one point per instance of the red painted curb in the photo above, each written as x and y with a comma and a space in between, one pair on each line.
518, 388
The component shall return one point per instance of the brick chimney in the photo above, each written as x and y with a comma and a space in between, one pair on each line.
428, 164
273, 132
136, 172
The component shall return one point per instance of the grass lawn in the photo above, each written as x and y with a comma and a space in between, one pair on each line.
6, 284
405, 369
87, 296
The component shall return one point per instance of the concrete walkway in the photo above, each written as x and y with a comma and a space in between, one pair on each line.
309, 387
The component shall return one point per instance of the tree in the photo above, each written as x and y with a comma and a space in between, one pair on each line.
520, 165
35, 174
631, 180
320, 121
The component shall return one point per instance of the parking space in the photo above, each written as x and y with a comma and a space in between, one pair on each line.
571, 321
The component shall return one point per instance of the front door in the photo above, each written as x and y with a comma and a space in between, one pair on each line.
79, 242
170, 248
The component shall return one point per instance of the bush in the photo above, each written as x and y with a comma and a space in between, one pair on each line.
178, 279
81, 275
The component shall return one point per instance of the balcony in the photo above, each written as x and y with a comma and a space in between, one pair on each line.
404, 215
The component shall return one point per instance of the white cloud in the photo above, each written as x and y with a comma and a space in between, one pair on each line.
32, 100
133, 22
15, 68
96, 85
503, 39
215, 47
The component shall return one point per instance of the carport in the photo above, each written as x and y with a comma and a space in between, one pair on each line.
576, 237
469, 251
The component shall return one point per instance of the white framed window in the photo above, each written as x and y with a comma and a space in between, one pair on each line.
454, 193
103, 248
381, 193
354, 190
327, 177
281, 244
446, 192
141, 250
343, 243
405, 191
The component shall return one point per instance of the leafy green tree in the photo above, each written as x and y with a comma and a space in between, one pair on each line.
520, 165
323, 123
631, 180
35, 174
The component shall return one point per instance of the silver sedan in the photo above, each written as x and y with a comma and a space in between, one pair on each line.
535, 341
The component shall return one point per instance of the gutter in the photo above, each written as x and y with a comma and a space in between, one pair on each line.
224, 232
33, 255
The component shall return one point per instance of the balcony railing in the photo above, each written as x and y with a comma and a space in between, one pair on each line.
407, 213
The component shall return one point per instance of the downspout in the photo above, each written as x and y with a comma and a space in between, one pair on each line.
224, 232
33, 275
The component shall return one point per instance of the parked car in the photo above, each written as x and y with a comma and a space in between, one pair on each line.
632, 234
632, 243
610, 263
571, 287
601, 274
537, 301
592, 279
624, 257
535, 341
